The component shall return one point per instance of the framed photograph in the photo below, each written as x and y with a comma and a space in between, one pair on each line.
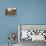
10, 12
32, 32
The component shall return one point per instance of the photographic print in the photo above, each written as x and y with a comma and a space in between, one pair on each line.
10, 12
31, 33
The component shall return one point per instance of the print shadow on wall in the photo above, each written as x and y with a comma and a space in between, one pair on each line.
10, 12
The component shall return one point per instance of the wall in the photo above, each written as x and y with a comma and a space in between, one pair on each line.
28, 12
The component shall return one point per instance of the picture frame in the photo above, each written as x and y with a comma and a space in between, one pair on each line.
10, 12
